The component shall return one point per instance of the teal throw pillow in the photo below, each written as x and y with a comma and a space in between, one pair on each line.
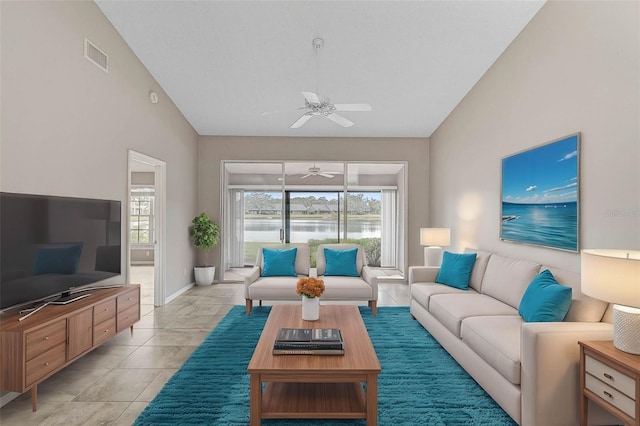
57, 260
279, 262
545, 300
341, 262
455, 270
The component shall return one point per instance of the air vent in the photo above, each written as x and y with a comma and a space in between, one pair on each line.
95, 55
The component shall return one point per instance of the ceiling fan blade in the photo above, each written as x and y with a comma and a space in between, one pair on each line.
306, 176
340, 120
312, 98
353, 107
327, 175
300, 121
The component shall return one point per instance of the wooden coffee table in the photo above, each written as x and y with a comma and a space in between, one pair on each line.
315, 386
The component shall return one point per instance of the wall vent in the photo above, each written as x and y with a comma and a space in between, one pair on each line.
95, 55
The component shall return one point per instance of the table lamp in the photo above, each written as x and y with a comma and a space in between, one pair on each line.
433, 239
614, 276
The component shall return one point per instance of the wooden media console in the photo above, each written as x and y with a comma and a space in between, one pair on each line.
34, 349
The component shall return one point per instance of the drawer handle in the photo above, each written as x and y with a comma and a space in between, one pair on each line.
46, 364
607, 394
129, 298
607, 376
106, 331
46, 337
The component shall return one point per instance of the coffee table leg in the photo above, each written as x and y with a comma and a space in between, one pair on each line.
255, 400
372, 399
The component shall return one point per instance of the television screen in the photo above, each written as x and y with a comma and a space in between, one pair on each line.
50, 245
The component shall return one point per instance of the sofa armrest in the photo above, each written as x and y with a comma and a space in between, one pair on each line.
550, 360
423, 274
371, 277
250, 279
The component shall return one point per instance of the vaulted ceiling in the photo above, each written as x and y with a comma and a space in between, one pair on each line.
224, 63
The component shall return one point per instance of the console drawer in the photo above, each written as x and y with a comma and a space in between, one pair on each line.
128, 300
128, 317
611, 395
43, 339
45, 363
104, 331
610, 376
104, 311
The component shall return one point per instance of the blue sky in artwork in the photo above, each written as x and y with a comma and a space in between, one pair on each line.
547, 174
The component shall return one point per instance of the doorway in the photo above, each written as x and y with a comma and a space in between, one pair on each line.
146, 227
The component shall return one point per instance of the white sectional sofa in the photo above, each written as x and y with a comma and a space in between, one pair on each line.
337, 288
531, 369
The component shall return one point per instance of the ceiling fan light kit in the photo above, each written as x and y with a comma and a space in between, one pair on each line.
317, 106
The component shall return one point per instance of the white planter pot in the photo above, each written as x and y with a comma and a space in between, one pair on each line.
204, 274
310, 308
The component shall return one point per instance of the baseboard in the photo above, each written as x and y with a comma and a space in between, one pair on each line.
178, 293
8, 397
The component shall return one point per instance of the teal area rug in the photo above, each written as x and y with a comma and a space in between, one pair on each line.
420, 383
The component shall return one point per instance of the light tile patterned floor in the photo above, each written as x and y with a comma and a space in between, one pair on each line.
113, 384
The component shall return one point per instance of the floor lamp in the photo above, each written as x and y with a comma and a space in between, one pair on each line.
614, 276
433, 239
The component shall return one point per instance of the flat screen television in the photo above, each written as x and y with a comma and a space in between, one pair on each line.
52, 245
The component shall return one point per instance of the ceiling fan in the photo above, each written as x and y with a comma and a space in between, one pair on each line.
322, 106
325, 108
316, 171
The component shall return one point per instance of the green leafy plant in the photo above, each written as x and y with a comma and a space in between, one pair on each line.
204, 232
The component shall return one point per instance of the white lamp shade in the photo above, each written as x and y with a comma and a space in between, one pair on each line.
435, 236
611, 275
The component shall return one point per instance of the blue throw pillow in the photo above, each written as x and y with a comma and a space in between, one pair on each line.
341, 262
545, 300
455, 270
57, 260
279, 262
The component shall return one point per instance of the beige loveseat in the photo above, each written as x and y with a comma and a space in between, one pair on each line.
337, 288
531, 369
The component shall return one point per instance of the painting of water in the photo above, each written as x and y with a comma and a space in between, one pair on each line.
540, 190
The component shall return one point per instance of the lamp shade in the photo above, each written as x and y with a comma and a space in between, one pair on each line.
435, 236
611, 275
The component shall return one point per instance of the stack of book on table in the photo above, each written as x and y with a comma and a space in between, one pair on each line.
308, 341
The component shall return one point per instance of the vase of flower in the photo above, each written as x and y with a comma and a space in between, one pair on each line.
310, 308
310, 289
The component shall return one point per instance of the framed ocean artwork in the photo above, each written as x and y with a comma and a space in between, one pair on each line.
540, 195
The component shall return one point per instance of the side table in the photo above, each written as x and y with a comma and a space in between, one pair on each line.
610, 378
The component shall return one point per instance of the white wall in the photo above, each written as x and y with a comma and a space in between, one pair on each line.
574, 68
215, 149
67, 125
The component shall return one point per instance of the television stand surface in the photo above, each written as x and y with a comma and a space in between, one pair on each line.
63, 300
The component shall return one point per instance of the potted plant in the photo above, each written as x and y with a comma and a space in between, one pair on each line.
205, 233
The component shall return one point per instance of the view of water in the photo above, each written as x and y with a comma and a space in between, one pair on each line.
302, 230
551, 225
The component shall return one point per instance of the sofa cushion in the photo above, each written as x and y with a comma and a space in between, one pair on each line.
506, 278
456, 269
421, 292
545, 300
480, 265
345, 288
279, 262
583, 308
303, 257
496, 339
321, 262
451, 309
341, 262
274, 288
